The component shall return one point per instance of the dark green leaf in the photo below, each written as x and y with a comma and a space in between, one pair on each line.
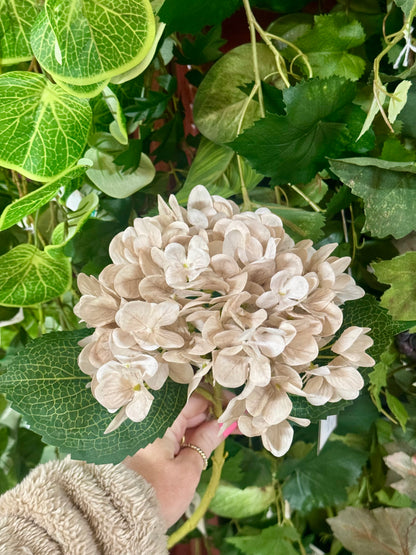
205, 48
130, 158
192, 16
388, 190
320, 480
52, 395
294, 147
299, 224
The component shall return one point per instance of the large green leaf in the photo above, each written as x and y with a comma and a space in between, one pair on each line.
320, 480
327, 45
43, 129
293, 147
232, 502
382, 531
299, 224
400, 298
51, 393
83, 42
219, 102
15, 212
29, 276
388, 190
275, 540
17, 18
365, 312
192, 16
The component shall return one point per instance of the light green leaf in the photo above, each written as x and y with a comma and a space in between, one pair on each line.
118, 126
15, 212
209, 164
400, 299
398, 100
327, 43
378, 377
53, 132
108, 177
219, 102
96, 40
64, 231
321, 480
378, 532
275, 540
17, 18
388, 190
366, 313
51, 393
405, 5
29, 276
373, 111
397, 409
232, 502
83, 91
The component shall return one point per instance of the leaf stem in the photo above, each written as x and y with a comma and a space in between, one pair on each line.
305, 197
257, 79
217, 459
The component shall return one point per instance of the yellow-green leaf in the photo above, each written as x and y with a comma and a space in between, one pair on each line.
17, 18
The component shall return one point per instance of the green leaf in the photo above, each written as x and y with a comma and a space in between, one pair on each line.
232, 502
52, 395
209, 164
378, 377
17, 18
274, 540
118, 126
219, 102
400, 298
64, 231
398, 100
299, 224
129, 159
82, 91
320, 480
367, 313
109, 178
398, 409
378, 532
404, 465
29, 276
192, 16
327, 43
53, 132
83, 42
388, 190
405, 5
15, 212
294, 147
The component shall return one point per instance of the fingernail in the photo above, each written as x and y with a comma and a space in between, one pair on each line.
229, 430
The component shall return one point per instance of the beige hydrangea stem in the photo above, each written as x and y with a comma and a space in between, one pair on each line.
217, 459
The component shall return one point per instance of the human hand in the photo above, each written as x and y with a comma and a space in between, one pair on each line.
173, 472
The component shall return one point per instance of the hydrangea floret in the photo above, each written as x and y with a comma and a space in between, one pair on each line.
211, 295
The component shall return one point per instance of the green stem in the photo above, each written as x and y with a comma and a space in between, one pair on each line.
257, 78
305, 197
217, 459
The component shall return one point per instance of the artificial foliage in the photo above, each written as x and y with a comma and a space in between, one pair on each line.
299, 110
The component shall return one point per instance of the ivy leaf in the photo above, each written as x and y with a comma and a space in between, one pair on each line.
52, 395
15, 212
378, 532
404, 465
65, 231
105, 39
192, 16
232, 502
219, 101
17, 18
294, 147
274, 540
327, 43
52, 135
400, 298
29, 276
388, 190
321, 480
111, 180
367, 313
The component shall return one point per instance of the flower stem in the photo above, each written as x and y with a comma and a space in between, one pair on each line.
217, 459
257, 78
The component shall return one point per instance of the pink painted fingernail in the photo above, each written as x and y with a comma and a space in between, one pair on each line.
229, 430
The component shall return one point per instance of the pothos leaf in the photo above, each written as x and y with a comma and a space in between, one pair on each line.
51, 392
53, 133
84, 42
29, 276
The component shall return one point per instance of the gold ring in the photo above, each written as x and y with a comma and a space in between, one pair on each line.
199, 451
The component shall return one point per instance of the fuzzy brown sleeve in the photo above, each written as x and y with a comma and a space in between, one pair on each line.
70, 507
